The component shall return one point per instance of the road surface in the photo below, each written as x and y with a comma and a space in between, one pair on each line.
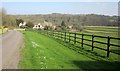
11, 43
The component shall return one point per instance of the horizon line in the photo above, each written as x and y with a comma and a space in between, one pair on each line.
63, 13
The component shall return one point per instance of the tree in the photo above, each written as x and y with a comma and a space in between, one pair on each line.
8, 20
3, 11
68, 19
18, 21
46, 20
4, 17
12, 21
29, 24
85, 20
46, 28
77, 27
63, 25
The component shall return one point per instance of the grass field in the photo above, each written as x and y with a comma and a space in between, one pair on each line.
42, 52
103, 31
100, 31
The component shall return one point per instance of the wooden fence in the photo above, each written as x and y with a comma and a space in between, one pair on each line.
71, 36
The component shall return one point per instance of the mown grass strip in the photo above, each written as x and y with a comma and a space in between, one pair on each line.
42, 52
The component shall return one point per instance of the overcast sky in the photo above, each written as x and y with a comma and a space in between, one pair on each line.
103, 8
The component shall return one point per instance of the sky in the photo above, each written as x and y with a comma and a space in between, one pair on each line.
60, 0
103, 8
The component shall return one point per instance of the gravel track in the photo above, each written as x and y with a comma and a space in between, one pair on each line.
11, 43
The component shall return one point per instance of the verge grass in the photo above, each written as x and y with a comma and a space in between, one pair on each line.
42, 52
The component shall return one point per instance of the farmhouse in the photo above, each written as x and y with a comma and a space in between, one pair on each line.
22, 25
39, 26
45, 25
70, 26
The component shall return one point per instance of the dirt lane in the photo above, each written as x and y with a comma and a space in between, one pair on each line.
11, 43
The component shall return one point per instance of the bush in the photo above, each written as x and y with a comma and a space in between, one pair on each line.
29, 24
77, 27
18, 21
63, 25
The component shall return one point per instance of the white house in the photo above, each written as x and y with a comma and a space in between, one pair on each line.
38, 26
41, 26
54, 27
22, 25
70, 26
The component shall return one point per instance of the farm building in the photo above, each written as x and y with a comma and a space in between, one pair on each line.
38, 26
44, 25
22, 25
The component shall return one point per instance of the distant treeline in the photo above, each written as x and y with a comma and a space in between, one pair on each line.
70, 19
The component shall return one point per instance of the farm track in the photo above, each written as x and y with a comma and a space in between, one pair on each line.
11, 43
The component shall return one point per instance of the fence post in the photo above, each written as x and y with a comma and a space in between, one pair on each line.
82, 40
53, 33
74, 38
65, 37
108, 46
92, 42
61, 35
69, 37
57, 35
47, 33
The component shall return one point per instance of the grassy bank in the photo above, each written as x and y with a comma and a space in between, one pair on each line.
42, 52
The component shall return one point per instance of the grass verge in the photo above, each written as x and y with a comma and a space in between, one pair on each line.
42, 52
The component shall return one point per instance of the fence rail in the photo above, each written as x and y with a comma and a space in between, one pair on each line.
74, 37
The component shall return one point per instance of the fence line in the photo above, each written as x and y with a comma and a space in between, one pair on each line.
67, 36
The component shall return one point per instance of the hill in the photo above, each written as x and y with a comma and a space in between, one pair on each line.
70, 19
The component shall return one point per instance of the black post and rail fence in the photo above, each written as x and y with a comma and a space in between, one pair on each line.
72, 36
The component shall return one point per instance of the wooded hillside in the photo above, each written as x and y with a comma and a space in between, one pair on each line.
70, 19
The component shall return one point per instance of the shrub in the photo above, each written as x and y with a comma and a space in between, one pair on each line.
29, 24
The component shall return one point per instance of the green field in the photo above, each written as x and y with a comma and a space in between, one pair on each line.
100, 31
42, 52
103, 31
